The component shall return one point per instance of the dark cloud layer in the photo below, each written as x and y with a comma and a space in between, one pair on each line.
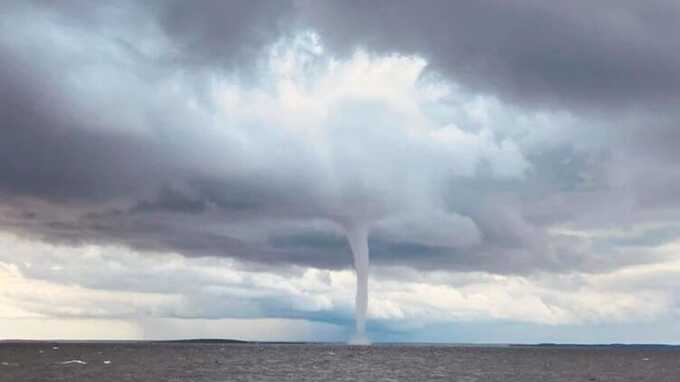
577, 53
98, 145
222, 33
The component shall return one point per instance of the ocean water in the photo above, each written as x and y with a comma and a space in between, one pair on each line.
101, 362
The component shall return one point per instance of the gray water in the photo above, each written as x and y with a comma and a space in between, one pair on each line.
269, 362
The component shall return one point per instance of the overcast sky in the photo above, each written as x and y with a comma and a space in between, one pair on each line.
185, 169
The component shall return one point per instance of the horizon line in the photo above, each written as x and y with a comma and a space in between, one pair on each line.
226, 341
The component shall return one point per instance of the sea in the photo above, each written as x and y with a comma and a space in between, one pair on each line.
212, 362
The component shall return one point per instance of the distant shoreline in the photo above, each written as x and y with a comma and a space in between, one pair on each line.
206, 341
607, 346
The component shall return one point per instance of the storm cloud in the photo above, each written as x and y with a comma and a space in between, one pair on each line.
575, 54
506, 138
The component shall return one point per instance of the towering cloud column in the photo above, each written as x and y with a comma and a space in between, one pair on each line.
357, 235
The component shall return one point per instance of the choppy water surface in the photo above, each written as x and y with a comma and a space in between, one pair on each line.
249, 362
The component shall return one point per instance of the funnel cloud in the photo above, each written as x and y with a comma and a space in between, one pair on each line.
357, 236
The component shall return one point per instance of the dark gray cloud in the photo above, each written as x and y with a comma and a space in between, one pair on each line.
577, 53
223, 33
112, 133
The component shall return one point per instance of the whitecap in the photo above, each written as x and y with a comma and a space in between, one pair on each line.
76, 361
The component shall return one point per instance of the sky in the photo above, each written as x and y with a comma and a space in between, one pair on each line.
174, 169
